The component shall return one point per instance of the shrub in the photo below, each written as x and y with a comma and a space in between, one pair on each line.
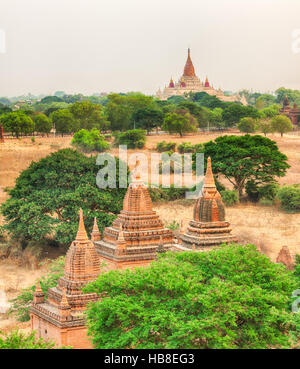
230, 197
18, 340
134, 138
167, 194
186, 147
231, 297
289, 197
174, 225
89, 141
165, 146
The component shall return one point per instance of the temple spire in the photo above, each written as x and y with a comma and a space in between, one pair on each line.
206, 82
209, 181
95, 235
81, 234
189, 70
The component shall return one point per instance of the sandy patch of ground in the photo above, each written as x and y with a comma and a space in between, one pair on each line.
269, 227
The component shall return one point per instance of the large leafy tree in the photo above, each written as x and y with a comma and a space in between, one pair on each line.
17, 123
235, 112
89, 115
180, 122
47, 196
232, 297
64, 121
42, 123
147, 118
247, 125
244, 158
281, 124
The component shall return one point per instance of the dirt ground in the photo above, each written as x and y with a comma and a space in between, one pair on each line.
269, 227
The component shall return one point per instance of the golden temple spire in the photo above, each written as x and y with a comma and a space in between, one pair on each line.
81, 234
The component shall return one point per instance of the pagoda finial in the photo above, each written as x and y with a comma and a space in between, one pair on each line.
189, 68
64, 301
38, 296
81, 234
206, 84
38, 288
95, 235
209, 180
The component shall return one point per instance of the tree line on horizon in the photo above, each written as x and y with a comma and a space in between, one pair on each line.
123, 112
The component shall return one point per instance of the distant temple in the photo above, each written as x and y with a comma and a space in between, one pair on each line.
209, 228
189, 82
291, 112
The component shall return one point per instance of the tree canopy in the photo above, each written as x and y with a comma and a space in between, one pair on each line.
47, 196
244, 158
232, 297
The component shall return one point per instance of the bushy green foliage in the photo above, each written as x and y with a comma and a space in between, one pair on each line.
134, 139
64, 121
42, 123
256, 192
188, 147
167, 194
247, 125
289, 197
46, 199
232, 297
281, 124
165, 146
89, 141
179, 122
244, 158
230, 197
20, 304
16, 340
174, 225
17, 123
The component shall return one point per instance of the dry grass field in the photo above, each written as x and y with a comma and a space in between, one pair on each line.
269, 227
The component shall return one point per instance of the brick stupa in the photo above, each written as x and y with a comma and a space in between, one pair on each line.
60, 318
285, 257
135, 235
209, 228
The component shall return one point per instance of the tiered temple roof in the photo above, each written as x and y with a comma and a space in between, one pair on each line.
209, 227
82, 265
137, 232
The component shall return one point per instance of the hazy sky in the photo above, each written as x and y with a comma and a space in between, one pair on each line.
92, 46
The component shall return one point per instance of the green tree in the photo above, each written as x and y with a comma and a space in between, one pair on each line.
90, 141
216, 118
89, 115
47, 196
133, 138
179, 123
247, 125
244, 158
232, 297
264, 126
42, 123
235, 112
64, 121
17, 123
147, 118
281, 124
